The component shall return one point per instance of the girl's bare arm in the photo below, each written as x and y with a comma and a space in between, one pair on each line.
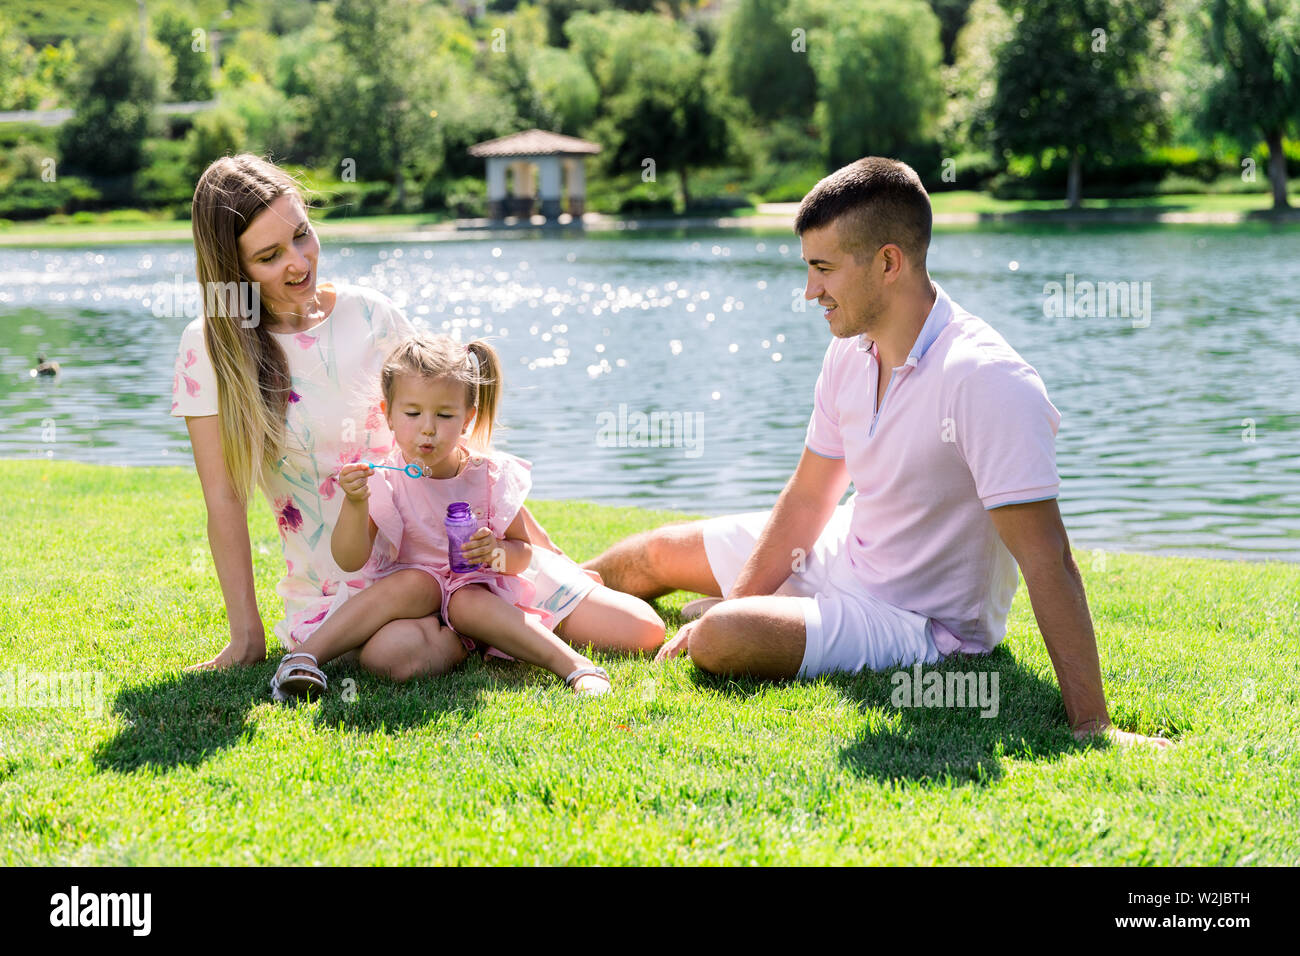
354, 533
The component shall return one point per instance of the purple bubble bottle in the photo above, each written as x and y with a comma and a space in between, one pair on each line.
461, 526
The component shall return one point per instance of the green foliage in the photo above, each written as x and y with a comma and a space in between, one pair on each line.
971, 81
20, 86
1077, 76
660, 102
953, 16
764, 63
215, 133
34, 199
564, 94
1256, 47
464, 198
165, 180
1256, 88
117, 88
192, 78
56, 66
877, 66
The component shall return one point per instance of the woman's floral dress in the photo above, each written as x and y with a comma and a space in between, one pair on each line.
333, 418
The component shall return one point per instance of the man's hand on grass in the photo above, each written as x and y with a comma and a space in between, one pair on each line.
1123, 738
233, 656
677, 645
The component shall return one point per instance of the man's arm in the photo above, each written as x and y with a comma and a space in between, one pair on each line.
1036, 538
800, 514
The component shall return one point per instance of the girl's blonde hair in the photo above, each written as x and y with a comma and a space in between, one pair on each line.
476, 365
251, 369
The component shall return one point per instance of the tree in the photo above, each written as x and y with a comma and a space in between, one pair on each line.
878, 82
953, 15
385, 91
192, 80
113, 101
1077, 77
1256, 88
19, 87
564, 94
762, 55
660, 102
971, 81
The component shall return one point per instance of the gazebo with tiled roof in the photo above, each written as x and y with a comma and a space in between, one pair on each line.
551, 153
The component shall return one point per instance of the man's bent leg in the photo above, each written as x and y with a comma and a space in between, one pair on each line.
779, 636
758, 636
653, 563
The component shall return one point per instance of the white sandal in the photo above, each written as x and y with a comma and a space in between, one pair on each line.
589, 671
300, 681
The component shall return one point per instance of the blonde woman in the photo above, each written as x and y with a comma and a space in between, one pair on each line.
274, 383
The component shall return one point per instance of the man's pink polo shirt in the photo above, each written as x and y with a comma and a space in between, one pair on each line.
965, 426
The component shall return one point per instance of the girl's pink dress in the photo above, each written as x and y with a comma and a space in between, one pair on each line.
410, 512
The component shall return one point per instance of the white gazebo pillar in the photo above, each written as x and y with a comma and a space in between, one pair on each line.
575, 174
549, 167
496, 187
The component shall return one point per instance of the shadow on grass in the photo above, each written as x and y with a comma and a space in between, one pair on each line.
182, 721
938, 744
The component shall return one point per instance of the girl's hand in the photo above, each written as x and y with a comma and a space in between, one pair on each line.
352, 479
481, 547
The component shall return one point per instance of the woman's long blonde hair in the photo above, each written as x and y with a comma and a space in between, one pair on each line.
251, 369
476, 366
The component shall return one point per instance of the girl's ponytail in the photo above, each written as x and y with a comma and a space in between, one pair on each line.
487, 392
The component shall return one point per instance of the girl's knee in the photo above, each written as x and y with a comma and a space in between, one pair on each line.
417, 585
648, 628
461, 604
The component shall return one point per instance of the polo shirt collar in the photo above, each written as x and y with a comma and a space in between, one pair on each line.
938, 319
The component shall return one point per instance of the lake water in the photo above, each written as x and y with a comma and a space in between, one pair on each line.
1180, 422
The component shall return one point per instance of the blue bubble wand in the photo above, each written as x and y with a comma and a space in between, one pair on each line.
412, 470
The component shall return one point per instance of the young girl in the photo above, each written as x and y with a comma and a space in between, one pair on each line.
440, 399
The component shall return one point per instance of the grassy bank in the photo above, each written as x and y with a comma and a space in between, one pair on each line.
107, 570
953, 209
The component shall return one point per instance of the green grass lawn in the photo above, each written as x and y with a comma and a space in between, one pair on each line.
107, 570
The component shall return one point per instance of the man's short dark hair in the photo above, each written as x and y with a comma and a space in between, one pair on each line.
873, 201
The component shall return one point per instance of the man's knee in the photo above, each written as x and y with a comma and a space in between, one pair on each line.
716, 643
759, 636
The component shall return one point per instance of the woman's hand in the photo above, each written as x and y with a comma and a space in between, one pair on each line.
353, 481
235, 654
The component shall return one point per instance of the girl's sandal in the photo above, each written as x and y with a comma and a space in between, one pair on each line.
590, 671
297, 680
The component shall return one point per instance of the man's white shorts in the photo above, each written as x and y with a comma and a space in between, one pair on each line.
846, 628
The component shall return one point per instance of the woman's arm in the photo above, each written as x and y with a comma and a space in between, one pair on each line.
354, 533
231, 552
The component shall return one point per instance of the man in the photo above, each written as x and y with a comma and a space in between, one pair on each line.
949, 440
